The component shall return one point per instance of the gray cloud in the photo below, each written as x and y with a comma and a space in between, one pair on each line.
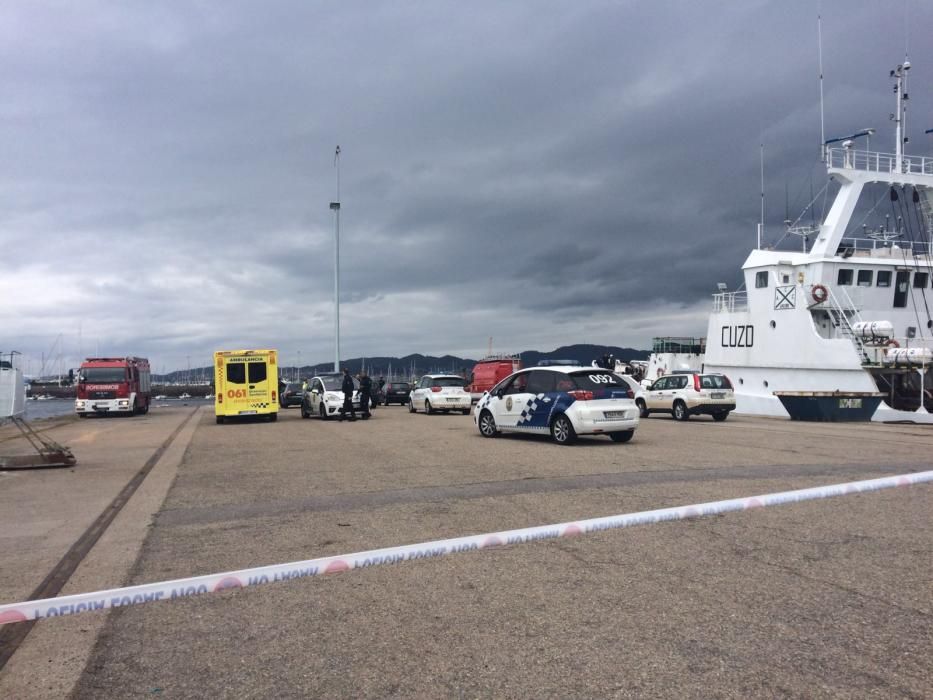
544, 173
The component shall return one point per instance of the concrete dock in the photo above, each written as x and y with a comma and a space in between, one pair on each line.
825, 598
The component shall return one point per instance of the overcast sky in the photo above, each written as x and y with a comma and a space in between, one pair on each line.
545, 173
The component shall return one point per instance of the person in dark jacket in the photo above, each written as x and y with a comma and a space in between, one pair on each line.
347, 388
366, 391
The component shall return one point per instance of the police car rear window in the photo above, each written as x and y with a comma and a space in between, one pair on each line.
597, 380
447, 381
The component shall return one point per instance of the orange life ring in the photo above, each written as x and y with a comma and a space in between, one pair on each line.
819, 293
892, 344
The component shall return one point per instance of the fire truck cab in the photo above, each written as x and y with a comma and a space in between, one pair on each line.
246, 383
113, 385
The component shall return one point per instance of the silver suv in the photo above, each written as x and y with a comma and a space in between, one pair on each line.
687, 394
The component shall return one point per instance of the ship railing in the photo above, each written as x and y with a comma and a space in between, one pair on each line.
910, 248
876, 162
730, 301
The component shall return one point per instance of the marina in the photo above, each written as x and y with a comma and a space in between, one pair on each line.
708, 605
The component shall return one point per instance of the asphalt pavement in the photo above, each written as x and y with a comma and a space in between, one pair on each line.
829, 598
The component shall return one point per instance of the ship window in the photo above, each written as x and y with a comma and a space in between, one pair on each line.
884, 278
864, 277
761, 279
845, 278
921, 279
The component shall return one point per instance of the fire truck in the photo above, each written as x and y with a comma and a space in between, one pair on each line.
113, 385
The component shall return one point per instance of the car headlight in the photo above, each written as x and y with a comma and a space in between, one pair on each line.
332, 397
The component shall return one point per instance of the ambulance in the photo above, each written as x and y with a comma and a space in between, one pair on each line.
246, 384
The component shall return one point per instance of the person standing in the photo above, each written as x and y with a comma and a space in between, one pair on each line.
347, 388
366, 390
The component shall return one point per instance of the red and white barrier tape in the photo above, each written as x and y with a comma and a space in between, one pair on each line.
169, 590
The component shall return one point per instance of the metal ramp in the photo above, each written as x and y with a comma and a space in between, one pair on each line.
49, 453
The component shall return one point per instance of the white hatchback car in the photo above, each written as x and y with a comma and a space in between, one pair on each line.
440, 392
565, 401
324, 396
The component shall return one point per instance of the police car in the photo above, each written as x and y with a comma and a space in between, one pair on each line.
563, 401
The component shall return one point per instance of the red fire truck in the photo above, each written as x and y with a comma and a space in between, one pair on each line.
113, 385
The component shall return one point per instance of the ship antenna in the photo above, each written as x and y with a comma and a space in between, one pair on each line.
819, 34
761, 221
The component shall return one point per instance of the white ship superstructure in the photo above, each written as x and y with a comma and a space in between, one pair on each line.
852, 313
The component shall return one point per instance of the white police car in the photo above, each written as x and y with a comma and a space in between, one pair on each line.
565, 401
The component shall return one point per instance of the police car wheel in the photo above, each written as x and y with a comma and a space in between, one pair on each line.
411, 406
680, 411
720, 416
642, 409
322, 412
465, 411
304, 412
622, 435
427, 406
562, 431
487, 425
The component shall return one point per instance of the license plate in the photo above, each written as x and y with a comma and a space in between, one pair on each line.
453, 399
614, 414
247, 413
719, 395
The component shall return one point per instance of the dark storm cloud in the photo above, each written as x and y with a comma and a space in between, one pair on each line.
544, 173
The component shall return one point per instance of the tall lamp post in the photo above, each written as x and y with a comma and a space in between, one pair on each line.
335, 207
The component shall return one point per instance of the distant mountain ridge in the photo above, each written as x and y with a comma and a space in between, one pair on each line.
417, 364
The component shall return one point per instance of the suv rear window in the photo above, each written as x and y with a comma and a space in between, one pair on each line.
714, 381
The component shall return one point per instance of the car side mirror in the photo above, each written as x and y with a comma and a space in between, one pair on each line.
500, 394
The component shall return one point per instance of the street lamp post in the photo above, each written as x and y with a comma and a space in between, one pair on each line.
335, 207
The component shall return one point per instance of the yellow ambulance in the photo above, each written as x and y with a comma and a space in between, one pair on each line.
246, 383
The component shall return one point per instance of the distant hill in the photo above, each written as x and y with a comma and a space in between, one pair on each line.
417, 364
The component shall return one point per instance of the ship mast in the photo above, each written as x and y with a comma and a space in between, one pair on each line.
900, 91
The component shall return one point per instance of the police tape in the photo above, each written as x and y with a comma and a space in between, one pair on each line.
195, 585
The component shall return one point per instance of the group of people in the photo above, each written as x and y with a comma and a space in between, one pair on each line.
366, 395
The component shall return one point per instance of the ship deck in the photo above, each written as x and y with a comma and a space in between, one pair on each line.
828, 597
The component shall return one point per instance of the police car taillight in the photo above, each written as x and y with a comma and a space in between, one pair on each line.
435, 389
581, 394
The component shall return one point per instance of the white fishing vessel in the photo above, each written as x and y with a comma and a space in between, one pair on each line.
850, 311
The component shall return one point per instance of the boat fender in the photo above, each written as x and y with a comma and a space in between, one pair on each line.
819, 293
892, 343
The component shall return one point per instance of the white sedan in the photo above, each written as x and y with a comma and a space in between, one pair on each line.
440, 392
563, 401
